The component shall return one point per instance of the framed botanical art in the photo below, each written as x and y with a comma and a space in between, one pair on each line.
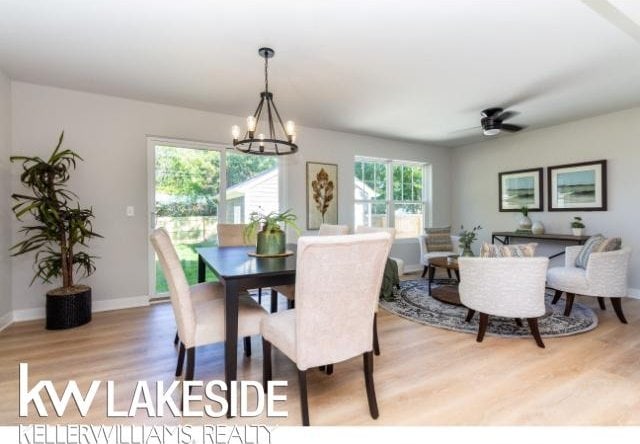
521, 188
578, 186
322, 194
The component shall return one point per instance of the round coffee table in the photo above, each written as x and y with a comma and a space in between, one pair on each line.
445, 293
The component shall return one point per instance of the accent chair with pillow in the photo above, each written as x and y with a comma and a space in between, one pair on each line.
437, 242
598, 268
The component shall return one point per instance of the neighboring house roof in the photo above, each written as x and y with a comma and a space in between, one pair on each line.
241, 188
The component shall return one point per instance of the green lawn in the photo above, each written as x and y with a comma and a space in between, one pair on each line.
189, 259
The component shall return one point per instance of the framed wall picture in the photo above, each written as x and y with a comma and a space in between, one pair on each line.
578, 186
521, 188
322, 194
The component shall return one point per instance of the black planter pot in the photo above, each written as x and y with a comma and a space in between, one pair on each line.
68, 309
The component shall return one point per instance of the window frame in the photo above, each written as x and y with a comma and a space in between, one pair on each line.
390, 202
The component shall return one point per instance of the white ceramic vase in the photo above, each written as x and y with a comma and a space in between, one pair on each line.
524, 223
537, 227
577, 231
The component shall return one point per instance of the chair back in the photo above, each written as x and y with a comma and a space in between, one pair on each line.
232, 235
505, 286
361, 229
333, 230
179, 291
338, 281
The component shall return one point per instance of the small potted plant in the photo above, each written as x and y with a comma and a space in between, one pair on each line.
577, 226
467, 237
267, 229
56, 231
525, 223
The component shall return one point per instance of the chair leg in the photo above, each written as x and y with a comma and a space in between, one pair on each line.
449, 273
556, 297
329, 369
425, 271
484, 321
569, 304
247, 346
533, 325
176, 339
266, 364
191, 365
617, 307
291, 304
470, 314
260, 296
518, 322
601, 303
304, 404
371, 391
180, 360
274, 301
376, 344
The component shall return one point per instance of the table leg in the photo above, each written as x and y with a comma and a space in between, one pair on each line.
432, 272
274, 301
231, 337
201, 269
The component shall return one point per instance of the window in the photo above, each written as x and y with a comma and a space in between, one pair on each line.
391, 193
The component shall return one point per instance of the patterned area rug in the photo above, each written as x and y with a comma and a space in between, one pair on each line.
412, 302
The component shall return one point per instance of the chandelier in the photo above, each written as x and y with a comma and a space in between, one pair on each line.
273, 138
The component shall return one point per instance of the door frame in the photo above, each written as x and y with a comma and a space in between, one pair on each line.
152, 141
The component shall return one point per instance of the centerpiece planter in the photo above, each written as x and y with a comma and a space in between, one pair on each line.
271, 239
467, 237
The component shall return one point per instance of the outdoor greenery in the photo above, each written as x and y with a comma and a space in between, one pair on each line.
189, 260
58, 227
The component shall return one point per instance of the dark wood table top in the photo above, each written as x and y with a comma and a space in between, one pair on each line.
231, 263
442, 262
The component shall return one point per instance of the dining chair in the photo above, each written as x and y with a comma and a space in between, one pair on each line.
361, 229
289, 291
333, 318
199, 309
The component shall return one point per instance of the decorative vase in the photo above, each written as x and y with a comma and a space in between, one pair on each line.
524, 224
537, 227
466, 251
271, 242
577, 231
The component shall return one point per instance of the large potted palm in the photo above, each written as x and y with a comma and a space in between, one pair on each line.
56, 229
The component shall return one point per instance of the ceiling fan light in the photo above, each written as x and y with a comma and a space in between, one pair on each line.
491, 131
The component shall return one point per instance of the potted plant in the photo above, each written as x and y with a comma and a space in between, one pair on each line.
525, 223
56, 230
467, 237
577, 226
270, 237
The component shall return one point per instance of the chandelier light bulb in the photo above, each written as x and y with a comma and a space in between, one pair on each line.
251, 124
235, 132
291, 127
261, 137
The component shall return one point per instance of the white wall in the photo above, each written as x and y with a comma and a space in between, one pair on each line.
5, 191
614, 137
110, 134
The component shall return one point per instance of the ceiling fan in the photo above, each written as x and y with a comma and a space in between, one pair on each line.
492, 121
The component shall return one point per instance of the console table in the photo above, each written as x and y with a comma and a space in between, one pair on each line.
504, 237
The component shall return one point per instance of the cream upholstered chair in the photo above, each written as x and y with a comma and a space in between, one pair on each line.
511, 287
604, 277
361, 229
333, 318
289, 291
199, 310
425, 254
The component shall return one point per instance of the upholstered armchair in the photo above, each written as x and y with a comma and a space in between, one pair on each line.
199, 309
425, 254
604, 277
510, 287
333, 318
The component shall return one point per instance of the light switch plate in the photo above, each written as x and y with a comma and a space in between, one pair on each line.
131, 211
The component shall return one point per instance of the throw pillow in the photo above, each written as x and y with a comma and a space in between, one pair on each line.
609, 244
517, 250
439, 239
583, 257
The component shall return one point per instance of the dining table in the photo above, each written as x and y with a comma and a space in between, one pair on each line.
238, 269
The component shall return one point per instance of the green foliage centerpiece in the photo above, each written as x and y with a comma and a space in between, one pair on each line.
58, 229
467, 237
271, 239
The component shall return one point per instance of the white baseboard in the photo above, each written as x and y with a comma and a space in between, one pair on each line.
31, 314
6, 320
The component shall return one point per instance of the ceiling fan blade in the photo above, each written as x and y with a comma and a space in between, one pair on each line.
465, 129
512, 128
491, 112
507, 115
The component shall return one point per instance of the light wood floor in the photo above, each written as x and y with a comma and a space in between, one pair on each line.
425, 375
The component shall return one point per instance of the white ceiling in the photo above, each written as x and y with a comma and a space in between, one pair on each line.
414, 70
